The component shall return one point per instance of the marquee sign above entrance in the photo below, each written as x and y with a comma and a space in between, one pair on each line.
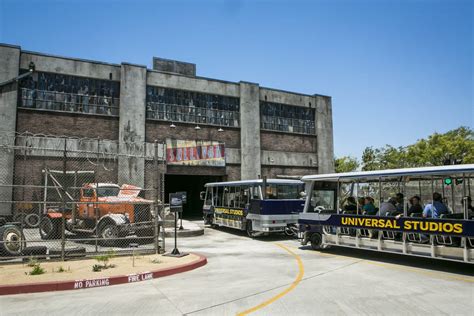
195, 153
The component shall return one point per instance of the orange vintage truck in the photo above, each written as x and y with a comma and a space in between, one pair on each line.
106, 210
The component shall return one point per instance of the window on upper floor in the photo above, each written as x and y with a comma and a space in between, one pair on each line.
195, 107
287, 118
58, 92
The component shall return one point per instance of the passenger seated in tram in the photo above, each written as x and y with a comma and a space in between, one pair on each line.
437, 208
415, 205
350, 204
369, 207
467, 200
388, 208
399, 205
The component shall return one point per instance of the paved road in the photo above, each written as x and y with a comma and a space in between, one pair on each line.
273, 276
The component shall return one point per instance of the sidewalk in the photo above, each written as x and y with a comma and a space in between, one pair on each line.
190, 228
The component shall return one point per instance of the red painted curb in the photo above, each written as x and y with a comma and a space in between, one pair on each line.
99, 282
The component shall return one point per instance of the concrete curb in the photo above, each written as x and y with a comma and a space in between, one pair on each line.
100, 282
185, 232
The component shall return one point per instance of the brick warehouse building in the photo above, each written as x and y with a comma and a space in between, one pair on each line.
262, 131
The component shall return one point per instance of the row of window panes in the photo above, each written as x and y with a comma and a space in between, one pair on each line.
192, 99
180, 113
287, 111
288, 125
71, 84
69, 102
232, 196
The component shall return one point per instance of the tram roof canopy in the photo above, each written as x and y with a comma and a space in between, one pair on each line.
392, 173
250, 182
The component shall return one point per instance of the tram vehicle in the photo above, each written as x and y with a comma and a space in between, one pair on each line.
437, 231
257, 206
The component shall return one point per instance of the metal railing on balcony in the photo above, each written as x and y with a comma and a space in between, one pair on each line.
191, 114
68, 102
289, 125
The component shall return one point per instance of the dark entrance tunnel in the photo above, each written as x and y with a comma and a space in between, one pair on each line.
193, 185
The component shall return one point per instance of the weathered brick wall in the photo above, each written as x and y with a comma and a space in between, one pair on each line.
272, 172
156, 130
287, 142
54, 123
29, 172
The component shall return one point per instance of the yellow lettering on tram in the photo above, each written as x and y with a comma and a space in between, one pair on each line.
457, 228
409, 225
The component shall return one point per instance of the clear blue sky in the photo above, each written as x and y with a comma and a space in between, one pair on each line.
397, 70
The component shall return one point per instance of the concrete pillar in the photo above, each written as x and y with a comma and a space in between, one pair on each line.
132, 125
9, 69
324, 134
250, 130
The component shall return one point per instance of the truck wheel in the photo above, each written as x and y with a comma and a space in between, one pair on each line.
108, 233
49, 228
13, 240
32, 220
316, 241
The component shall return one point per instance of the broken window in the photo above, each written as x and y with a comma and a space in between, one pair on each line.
189, 106
287, 118
58, 92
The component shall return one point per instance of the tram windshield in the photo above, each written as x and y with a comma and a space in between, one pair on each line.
322, 200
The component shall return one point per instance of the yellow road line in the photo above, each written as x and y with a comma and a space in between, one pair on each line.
286, 291
440, 275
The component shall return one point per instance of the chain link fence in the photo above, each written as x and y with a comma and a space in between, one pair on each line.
64, 197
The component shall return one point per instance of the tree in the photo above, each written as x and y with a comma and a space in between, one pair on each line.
457, 144
346, 164
454, 146
370, 159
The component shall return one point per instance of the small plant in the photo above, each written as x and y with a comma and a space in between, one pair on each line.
37, 270
96, 268
61, 269
104, 261
32, 262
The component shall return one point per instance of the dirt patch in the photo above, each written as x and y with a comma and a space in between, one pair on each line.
82, 269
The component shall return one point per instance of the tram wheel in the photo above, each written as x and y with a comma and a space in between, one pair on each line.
316, 241
249, 229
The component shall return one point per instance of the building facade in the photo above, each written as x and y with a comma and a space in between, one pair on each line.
259, 131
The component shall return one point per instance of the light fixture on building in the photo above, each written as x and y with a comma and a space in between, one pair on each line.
31, 66
197, 128
172, 125
220, 130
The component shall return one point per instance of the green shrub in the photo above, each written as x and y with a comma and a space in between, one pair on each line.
97, 268
37, 270
104, 261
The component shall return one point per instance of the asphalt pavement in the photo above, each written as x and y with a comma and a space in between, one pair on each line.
273, 276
